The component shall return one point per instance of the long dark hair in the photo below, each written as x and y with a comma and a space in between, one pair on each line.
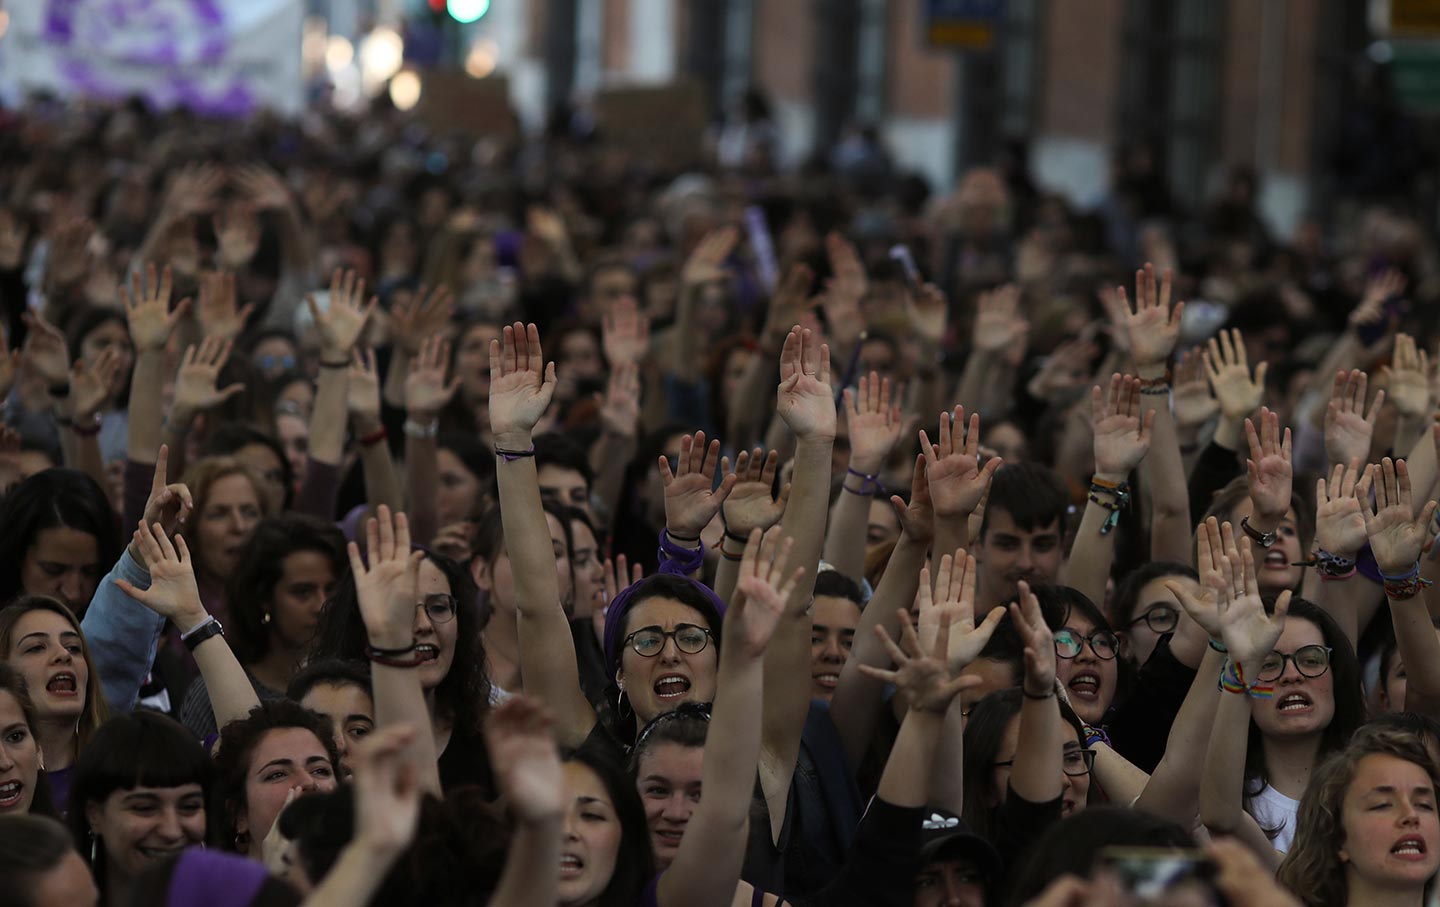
984, 731
139, 749
53, 499
251, 587
1349, 705
464, 695
634, 864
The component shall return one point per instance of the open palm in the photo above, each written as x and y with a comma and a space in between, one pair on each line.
805, 400
386, 589
1397, 535
521, 384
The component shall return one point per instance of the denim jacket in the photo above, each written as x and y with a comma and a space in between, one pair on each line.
122, 635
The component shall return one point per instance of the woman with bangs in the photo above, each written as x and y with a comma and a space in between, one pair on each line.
41, 639
138, 796
1368, 827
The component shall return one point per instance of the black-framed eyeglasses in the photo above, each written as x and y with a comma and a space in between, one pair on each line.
1074, 762
1160, 618
440, 608
1310, 661
1103, 643
649, 641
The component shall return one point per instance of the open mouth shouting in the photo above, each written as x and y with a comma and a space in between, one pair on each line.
671, 687
1409, 848
1295, 704
10, 794
571, 866
63, 684
1085, 686
1276, 560
427, 652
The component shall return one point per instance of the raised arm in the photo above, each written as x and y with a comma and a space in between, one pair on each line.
956, 481
806, 401
387, 594
1349, 430
1397, 537
382, 481
1154, 329
705, 265
172, 594
750, 505
196, 391
615, 448
521, 386
79, 413
999, 327
1122, 440
872, 414
1269, 472
1407, 379
1036, 775
531, 782
426, 393
707, 867
692, 499
1249, 636
339, 327
414, 320
1194, 405
1339, 538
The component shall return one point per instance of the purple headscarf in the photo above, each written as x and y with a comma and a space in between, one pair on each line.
615, 616
208, 878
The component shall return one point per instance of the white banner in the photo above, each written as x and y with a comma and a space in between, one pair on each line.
220, 57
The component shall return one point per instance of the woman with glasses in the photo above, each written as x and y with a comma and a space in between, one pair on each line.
1143, 609
429, 633
1087, 652
280, 583
1026, 764
1290, 697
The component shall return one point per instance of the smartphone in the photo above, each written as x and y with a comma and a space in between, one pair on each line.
1161, 877
758, 231
901, 253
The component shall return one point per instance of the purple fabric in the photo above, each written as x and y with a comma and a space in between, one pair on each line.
207, 878
615, 616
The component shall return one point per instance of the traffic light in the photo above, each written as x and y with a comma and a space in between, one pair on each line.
466, 11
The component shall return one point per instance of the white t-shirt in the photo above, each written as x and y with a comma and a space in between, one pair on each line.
1273, 809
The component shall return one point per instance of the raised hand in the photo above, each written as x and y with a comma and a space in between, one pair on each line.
954, 601
789, 304
956, 480
1122, 436
1194, 404
707, 262
386, 590
195, 383
1210, 545
147, 309
625, 333
1348, 429
172, 593
1339, 517
620, 406
13, 236
691, 496
69, 253
765, 585
843, 291
1408, 379
1039, 642
168, 504
426, 392
999, 325
262, 186
344, 317
617, 577
93, 384
362, 388
419, 317
217, 310
1378, 290
874, 422
750, 504
193, 190
521, 385
929, 314
387, 791
1153, 326
1269, 469
46, 354
804, 399
1248, 632
924, 678
1397, 535
237, 233
917, 516
1235, 389
525, 760
1064, 372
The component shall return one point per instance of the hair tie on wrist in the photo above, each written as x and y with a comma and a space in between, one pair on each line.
869, 482
510, 456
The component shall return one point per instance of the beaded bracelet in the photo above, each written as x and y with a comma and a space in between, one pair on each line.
1337, 577
869, 482
1094, 735
1405, 585
1121, 493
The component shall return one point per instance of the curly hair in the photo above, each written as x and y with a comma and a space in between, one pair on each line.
251, 587
1312, 870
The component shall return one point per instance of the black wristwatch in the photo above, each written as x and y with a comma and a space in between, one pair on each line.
1263, 539
207, 628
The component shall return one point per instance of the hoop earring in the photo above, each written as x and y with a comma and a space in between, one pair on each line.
623, 709
94, 849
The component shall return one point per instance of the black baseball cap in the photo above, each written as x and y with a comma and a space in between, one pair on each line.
944, 835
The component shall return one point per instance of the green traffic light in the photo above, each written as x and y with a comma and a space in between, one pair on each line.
467, 10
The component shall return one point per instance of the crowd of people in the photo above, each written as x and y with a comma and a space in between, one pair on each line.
388, 517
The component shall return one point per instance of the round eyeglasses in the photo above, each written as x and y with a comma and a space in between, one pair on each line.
1310, 661
1160, 618
440, 608
1073, 762
1103, 643
649, 641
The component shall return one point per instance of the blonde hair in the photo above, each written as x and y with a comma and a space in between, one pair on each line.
1312, 870
201, 478
96, 711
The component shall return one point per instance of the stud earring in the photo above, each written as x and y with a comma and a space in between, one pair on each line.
265, 618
